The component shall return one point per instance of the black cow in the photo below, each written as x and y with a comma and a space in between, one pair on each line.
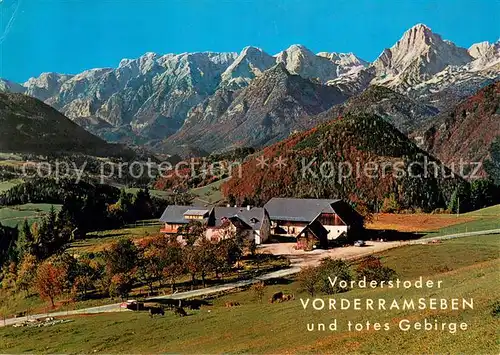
180, 311
156, 310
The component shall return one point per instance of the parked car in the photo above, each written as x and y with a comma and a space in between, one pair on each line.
359, 243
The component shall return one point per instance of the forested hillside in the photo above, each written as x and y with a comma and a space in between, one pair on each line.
387, 168
30, 126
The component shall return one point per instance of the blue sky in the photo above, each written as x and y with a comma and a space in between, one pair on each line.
69, 36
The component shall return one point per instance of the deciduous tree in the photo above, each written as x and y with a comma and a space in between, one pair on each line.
49, 281
26, 273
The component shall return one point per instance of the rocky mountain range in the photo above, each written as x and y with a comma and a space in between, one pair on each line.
163, 100
270, 108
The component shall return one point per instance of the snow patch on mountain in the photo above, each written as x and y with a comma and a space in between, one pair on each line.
346, 62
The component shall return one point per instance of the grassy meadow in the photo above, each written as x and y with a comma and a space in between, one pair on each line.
209, 194
468, 267
98, 241
483, 219
7, 185
12, 216
438, 224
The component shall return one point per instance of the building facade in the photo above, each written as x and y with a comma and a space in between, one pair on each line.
293, 216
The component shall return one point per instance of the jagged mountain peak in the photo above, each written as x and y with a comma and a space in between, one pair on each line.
293, 53
298, 48
300, 60
479, 49
251, 50
420, 28
251, 62
420, 37
343, 58
278, 69
419, 54
346, 62
46, 85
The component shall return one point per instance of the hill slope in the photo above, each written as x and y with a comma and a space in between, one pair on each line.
467, 132
399, 110
30, 126
318, 161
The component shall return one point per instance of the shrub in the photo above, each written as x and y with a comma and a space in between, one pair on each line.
390, 204
308, 279
330, 268
371, 267
259, 289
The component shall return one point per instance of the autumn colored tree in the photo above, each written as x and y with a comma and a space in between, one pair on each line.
152, 260
121, 257
174, 267
371, 267
191, 261
390, 204
8, 277
86, 275
49, 281
192, 232
81, 285
121, 285
206, 258
308, 279
26, 273
122, 260
258, 289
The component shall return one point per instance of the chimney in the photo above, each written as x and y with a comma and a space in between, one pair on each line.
249, 207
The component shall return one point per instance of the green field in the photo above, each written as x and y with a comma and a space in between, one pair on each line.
486, 218
7, 185
97, 241
155, 193
210, 194
14, 215
468, 267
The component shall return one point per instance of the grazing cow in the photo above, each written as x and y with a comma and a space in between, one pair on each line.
276, 297
155, 311
180, 311
232, 304
195, 304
